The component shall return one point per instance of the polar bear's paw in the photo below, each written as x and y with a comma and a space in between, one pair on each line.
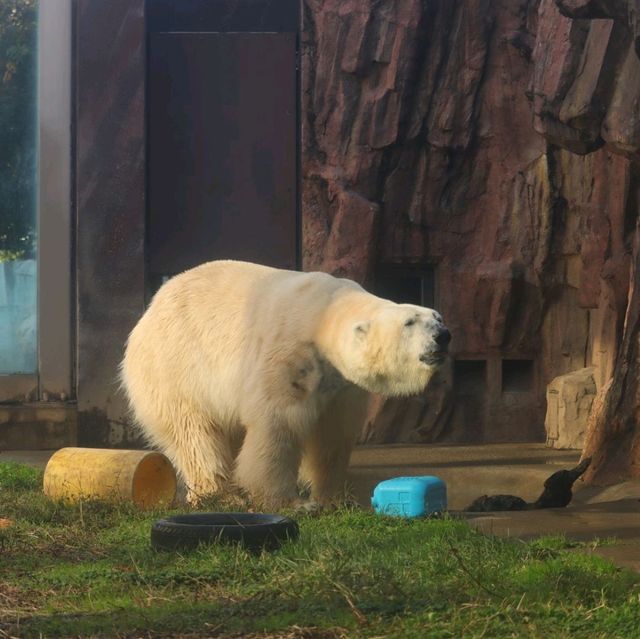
309, 507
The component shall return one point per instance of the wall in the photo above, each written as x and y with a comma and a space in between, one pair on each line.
471, 135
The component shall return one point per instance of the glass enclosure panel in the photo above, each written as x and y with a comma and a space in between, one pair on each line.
18, 185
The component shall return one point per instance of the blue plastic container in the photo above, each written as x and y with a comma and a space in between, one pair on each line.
410, 496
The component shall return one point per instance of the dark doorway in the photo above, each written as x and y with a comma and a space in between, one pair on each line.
222, 148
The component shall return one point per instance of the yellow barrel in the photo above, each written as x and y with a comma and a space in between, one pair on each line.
146, 478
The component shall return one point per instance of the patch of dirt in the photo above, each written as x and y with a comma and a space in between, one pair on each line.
15, 601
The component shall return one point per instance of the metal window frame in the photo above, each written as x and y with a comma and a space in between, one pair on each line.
55, 204
53, 379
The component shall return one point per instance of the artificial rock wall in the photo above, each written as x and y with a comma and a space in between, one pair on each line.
495, 141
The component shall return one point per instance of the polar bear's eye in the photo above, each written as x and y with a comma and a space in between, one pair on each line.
410, 322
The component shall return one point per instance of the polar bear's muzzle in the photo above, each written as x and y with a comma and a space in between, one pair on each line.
438, 355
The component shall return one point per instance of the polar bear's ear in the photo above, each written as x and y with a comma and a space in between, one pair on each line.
361, 328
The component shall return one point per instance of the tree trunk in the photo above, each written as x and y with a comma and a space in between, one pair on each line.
614, 435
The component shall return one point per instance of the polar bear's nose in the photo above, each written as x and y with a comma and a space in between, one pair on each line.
443, 336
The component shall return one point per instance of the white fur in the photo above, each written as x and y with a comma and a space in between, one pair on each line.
231, 349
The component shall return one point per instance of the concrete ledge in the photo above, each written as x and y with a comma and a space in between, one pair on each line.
38, 426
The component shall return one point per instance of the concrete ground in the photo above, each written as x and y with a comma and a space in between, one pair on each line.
469, 471
516, 469
38, 458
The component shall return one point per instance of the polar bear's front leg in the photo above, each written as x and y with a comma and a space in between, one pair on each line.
268, 463
328, 448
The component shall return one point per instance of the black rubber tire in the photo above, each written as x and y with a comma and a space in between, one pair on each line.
251, 530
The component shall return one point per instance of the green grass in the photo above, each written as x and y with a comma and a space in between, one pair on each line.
88, 570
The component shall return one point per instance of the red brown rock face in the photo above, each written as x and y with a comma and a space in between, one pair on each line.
495, 141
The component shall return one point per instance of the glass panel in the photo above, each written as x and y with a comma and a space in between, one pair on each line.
18, 186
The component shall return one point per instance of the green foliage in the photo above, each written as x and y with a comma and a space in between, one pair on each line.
18, 89
14, 476
88, 570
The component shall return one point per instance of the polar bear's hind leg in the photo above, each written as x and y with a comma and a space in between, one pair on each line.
200, 452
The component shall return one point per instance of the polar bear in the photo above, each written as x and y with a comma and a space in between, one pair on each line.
258, 377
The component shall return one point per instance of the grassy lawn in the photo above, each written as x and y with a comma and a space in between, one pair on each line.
88, 570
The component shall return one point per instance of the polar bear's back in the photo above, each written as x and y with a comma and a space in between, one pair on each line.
227, 296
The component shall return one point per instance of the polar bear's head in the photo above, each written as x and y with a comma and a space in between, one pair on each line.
397, 349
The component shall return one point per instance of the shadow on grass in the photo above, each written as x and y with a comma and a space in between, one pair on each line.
211, 619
